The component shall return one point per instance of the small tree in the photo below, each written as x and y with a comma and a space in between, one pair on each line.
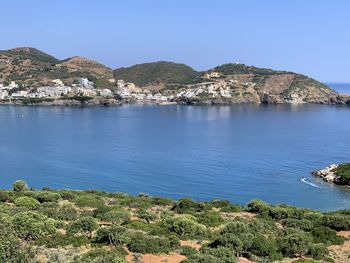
113, 235
20, 186
147, 216
84, 225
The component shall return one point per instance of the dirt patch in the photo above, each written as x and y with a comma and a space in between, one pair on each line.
244, 260
227, 215
191, 243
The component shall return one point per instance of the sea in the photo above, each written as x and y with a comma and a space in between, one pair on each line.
236, 153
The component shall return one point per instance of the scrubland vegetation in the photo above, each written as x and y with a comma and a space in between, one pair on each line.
91, 226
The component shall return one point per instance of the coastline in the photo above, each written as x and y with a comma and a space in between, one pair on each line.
341, 99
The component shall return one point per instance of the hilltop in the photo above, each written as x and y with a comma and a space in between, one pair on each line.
156, 72
166, 82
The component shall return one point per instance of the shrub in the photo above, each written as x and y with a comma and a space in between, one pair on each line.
88, 201
141, 243
210, 219
188, 251
46, 196
326, 236
295, 242
202, 258
31, 225
67, 212
119, 216
20, 186
336, 222
303, 224
224, 254
84, 225
102, 256
156, 229
147, 216
4, 196
112, 235
27, 202
61, 240
188, 206
318, 251
264, 247
185, 226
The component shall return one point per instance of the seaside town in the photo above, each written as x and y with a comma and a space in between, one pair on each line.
212, 87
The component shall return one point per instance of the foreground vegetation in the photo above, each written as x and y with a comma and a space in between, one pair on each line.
91, 226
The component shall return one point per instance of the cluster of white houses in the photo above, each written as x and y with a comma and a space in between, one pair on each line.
57, 89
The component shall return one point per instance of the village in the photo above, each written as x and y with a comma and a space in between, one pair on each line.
211, 86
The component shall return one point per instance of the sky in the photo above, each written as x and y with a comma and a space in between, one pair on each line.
306, 36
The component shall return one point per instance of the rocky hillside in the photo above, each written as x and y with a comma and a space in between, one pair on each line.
31, 67
228, 83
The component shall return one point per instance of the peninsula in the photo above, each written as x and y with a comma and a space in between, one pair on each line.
335, 173
29, 76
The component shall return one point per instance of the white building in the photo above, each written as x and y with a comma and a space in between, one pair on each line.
3, 94
86, 83
106, 93
20, 94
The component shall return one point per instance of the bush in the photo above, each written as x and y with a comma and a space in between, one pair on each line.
264, 247
336, 222
27, 202
326, 236
46, 196
210, 219
141, 243
188, 251
303, 224
185, 226
295, 242
156, 229
67, 212
20, 186
31, 225
61, 240
102, 256
88, 201
4, 196
119, 216
112, 235
188, 206
202, 258
84, 225
318, 251
223, 254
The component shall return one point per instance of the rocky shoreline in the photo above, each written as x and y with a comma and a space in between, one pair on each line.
341, 99
329, 174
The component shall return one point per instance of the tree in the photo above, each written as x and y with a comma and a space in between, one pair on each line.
295, 243
147, 216
113, 235
185, 226
31, 225
84, 225
20, 186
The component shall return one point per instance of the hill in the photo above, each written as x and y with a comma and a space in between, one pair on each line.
90, 226
156, 72
32, 67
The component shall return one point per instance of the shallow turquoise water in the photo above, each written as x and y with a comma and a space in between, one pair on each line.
232, 152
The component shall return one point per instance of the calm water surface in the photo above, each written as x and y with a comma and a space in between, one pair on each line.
233, 152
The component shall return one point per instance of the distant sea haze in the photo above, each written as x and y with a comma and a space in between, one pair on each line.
340, 87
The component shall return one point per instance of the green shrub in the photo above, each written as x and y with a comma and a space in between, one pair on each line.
67, 212
188, 206
336, 222
326, 236
31, 225
112, 235
295, 243
210, 219
224, 254
303, 224
318, 251
188, 251
265, 247
156, 229
47, 196
202, 258
185, 226
84, 225
119, 216
102, 256
141, 243
27, 202
88, 201
61, 240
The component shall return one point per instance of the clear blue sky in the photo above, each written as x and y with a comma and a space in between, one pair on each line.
306, 36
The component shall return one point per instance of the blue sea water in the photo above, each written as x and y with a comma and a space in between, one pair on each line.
238, 152
343, 88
